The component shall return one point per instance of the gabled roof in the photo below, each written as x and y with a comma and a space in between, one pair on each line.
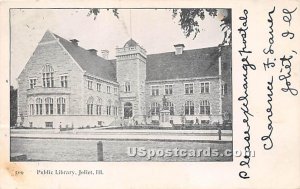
163, 66
191, 63
89, 62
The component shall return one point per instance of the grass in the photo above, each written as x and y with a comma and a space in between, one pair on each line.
86, 150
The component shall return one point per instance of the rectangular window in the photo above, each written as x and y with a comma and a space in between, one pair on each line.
204, 87
168, 89
155, 109
189, 108
90, 84
99, 87
108, 89
115, 90
224, 89
64, 81
155, 90
189, 88
204, 107
49, 124
48, 80
32, 83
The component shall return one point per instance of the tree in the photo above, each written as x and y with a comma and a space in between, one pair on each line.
189, 20
13, 106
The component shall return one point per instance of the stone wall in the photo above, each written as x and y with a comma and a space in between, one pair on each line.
178, 98
53, 54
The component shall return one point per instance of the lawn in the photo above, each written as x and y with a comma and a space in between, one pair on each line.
113, 150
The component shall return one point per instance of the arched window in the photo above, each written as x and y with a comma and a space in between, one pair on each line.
127, 110
39, 106
170, 107
48, 78
99, 106
204, 107
127, 87
90, 103
61, 105
155, 108
49, 105
31, 106
189, 108
108, 108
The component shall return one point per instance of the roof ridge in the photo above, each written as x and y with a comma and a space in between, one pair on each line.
184, 50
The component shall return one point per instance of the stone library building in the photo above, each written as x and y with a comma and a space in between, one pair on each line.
65, 85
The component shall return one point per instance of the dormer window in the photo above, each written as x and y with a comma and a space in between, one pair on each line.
179, 49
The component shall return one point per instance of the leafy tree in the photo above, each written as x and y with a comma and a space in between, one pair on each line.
13, 106
189, 20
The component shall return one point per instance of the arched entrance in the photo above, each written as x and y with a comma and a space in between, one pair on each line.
127, 110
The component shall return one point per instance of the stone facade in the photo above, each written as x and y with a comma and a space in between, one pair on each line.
90, 100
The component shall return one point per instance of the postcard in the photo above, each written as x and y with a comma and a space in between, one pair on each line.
125, 94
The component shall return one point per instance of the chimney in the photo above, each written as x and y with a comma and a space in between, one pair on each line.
93, 51
74, 41
105, 54
179, 48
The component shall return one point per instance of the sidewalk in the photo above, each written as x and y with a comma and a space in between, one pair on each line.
153, 135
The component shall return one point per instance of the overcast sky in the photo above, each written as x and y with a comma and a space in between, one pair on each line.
155, 30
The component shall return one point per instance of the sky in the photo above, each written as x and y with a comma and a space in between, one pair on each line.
155, 30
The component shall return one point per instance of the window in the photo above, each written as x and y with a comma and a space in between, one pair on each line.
39, 106
49, 124
99, 87
189, 108
224, 89
49, 106
189, 88
115, 90
155, 91
64, 81
127, 88
108, 108
99, 107
32, 83
48, 79
115, 110
204, 87
31, 109
31, 106
61, 105
108, 89
154, 108
168, 89
170, 107
90, 84
90, 106
204, 107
